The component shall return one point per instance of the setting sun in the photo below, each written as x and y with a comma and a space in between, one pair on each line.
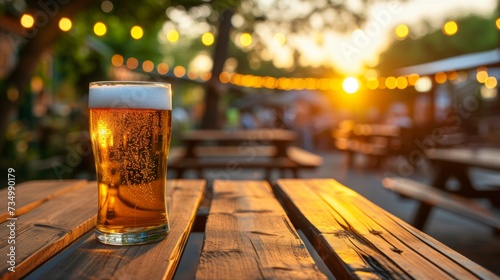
350, 85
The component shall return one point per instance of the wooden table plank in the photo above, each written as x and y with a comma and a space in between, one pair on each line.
49, 228
152, 261
31, 194
480, 157
249, 236
356, 238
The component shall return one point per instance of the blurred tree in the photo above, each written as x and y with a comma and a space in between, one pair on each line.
475, 34
30, 43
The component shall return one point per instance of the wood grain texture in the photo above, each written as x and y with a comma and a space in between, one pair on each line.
249, 236
32, 194
93, 260
358, 239
49, 228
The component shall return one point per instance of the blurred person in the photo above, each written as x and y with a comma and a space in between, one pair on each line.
248, 119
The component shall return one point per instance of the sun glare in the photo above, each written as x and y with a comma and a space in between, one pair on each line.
350, 85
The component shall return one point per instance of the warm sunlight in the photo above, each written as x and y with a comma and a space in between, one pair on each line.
350, 85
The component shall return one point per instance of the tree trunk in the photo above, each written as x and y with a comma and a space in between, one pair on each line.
211, 114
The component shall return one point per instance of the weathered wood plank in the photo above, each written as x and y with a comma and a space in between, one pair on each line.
53, 225
356, 238
31, 194
152, 261
249, 236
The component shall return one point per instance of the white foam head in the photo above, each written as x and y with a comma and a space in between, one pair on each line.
137, 95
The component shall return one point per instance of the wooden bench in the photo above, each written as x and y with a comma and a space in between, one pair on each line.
233, 158
430, 197
249, 234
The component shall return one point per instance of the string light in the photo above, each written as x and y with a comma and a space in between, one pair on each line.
65, 24
117, 60
450, 28
136, 32
207, 39
172, 36
402, 31
148, 66
162, 68
100, 29
27, 21
246, 39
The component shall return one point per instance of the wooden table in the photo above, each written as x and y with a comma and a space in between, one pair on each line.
457, 162
232, 150
376, 141
248, 234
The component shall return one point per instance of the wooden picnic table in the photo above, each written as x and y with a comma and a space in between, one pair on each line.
232, 150
449, 164
375, 141
251, 232
457, 163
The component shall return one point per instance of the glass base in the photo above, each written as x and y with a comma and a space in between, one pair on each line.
146, 236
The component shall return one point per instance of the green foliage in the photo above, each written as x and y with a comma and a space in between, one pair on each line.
475, 34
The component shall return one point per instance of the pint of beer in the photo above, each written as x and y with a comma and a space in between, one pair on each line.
130, 127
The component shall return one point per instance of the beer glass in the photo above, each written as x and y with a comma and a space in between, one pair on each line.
130, 127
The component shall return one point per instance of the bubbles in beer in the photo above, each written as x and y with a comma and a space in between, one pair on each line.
130, 149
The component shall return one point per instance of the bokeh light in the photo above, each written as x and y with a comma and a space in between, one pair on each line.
488, 93
162, 68
246, 39
402, 31
148, 66
413, 78
372, 83
491, 82
179, 71
27, 21
401, 82
132, 63
497, 23
117, 60
424, 84
440, 77
350, 85
481, 76
207, 39
100, 29
391, 82
12, 94
65, 24
173, 35
279, 38
107, 6
136, 32
450, 28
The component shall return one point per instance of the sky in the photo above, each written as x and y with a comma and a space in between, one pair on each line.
350, 51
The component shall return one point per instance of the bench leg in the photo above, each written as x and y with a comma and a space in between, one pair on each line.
199, 172
422, 214
268, 172
349, 158
180, 173
295, 172
282, 172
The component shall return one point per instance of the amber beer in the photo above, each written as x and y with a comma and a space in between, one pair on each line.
130, 127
